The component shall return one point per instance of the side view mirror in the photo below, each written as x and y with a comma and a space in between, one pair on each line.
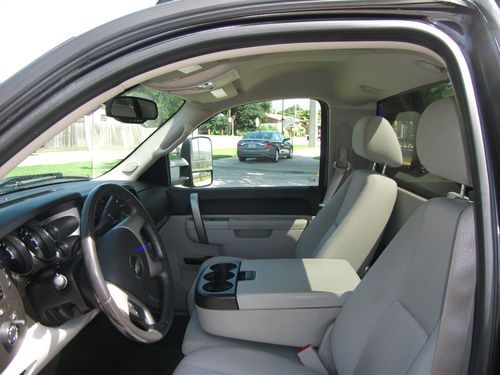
197, 151
286, 139
131, 110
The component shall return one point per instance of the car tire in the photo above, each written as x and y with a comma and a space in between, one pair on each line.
242, 158
276, 157
290, 153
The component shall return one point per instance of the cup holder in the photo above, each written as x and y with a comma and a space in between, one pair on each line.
217, 287
223, 267
218, 277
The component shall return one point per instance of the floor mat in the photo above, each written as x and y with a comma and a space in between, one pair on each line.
101, 349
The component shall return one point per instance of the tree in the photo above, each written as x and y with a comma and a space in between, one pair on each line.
245, 115
300, 114
217, 125
444, 90
167, 104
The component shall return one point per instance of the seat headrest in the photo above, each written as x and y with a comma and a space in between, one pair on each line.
374, 139
441, 145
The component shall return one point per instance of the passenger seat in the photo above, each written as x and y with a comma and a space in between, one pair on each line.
348, 227
390, 323
351, 222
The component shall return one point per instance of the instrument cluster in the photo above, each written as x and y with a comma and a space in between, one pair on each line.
34, 245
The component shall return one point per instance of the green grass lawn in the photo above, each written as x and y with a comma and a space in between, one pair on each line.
83, 169
86, 169
219, 153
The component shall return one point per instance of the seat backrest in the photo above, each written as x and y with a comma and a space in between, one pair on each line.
352, 221
389, 324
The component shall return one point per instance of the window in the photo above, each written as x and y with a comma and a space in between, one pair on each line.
95, 143
264, 144
403, 112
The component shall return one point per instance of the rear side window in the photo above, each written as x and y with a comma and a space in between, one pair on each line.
403, 112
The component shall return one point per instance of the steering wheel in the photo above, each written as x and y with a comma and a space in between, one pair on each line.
123, 263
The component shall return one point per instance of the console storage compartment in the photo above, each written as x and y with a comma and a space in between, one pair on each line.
277, 301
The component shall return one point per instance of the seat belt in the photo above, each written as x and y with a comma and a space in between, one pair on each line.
310, 359
458, 304
340, 167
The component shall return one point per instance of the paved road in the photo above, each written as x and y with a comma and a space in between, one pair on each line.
299, 171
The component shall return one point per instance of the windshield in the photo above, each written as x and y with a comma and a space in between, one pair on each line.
91, 146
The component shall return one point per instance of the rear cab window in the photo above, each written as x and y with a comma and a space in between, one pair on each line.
403, 112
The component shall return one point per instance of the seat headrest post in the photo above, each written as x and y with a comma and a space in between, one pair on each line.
383, 169
462, 191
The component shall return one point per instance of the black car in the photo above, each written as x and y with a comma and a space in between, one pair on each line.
265, 144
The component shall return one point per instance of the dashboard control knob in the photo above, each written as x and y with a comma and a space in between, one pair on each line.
60, 282
9, 333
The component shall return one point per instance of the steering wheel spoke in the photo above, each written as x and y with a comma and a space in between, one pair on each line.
134, 223
137, 312
155, 265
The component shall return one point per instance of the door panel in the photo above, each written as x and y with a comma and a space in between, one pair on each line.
248, 223
301, 200
252, 236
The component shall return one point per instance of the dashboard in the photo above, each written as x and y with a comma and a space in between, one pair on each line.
34, 244
43, 282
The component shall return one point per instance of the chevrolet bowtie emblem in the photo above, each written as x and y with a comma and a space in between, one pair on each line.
136, 265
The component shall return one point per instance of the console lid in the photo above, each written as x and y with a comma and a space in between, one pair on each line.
295, 283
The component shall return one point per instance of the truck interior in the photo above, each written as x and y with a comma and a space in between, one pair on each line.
232, 280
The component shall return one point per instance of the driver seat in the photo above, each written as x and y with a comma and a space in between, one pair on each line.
389, 324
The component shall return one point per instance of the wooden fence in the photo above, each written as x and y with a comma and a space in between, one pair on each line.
105, 133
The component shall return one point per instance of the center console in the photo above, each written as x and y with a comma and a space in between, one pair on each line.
279, 301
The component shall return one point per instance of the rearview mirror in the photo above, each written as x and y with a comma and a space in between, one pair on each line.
198, 153
132, 110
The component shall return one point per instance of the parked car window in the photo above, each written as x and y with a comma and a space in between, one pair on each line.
403, 111
263, 144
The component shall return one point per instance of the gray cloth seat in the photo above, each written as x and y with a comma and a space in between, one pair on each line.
363, 204
195, 339
239, 361
389, 324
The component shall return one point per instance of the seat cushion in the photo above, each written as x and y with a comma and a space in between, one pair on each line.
196, 338
238, 361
